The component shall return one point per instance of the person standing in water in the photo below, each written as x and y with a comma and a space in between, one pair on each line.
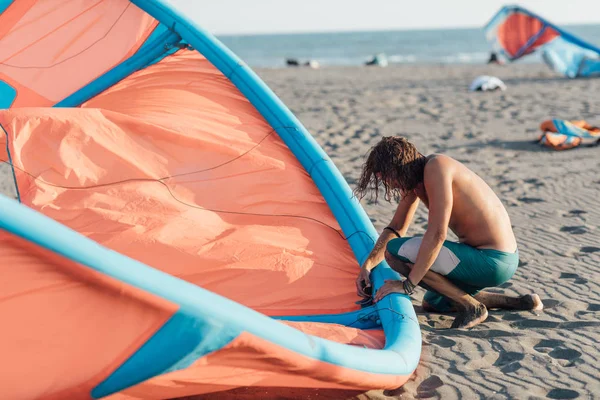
453, 273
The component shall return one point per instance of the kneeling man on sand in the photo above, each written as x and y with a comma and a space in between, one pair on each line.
453, 273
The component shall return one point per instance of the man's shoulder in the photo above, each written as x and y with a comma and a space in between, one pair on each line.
439, 168
436, 157
440, 164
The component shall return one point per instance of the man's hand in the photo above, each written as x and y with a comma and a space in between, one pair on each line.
390, 286
363, 283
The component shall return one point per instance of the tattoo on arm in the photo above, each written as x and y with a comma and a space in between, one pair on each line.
377, 254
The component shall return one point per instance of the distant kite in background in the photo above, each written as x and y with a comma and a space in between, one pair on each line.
515, 32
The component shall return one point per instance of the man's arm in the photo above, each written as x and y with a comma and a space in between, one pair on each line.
438, 184
400, 223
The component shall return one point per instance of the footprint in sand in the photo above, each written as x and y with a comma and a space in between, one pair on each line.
550, 303
568, 275
534, 323
331, 146
428, 387
578, 280
530, 200
555, 349
535, 182
514, 367
593, 307
545, 345
425, 390
506, 182
574, 230
509, 361
542, 324
580, 324
565, 354
562, 394
442, 342
513, 317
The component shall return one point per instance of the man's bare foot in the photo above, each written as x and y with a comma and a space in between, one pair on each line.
470, 317
531, 302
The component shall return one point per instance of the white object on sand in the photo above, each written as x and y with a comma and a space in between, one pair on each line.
314, 64
486, 83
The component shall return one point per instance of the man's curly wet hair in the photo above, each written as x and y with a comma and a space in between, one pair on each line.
395, 163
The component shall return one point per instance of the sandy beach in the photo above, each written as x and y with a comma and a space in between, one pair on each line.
550, 196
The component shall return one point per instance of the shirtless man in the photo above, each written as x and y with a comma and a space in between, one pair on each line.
453, 273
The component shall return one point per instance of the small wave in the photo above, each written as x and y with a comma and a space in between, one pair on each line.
402, 58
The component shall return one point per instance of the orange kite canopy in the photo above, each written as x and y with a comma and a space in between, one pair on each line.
176, 231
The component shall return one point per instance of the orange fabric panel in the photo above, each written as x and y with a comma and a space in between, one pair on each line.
232, 211
25, 96
11, 16
65, 327
53, 48
518, 28
251, 361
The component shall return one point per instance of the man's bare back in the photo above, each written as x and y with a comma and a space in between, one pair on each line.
478, 217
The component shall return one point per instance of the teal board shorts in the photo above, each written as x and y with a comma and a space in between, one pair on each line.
467, 267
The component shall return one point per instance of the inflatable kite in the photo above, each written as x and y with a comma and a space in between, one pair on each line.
177, 231
515, 32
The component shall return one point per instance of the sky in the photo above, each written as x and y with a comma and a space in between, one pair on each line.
291, 16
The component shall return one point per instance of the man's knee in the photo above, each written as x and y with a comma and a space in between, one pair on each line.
401, 267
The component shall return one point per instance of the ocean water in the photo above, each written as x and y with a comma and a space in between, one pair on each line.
448, 46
